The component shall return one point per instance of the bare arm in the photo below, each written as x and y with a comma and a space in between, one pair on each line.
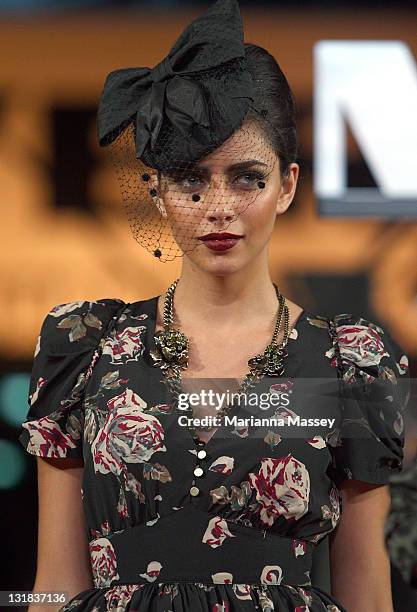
410, 450
63, 562
360, 567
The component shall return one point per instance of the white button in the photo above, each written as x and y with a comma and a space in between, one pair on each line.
194, 491
198, 471
201, 454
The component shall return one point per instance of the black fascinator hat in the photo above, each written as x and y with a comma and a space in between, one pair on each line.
198, 95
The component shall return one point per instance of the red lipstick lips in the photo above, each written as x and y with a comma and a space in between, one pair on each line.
220, 241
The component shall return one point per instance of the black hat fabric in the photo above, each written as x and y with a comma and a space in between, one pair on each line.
190, 102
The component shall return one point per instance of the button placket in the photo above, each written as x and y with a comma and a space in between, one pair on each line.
198, 469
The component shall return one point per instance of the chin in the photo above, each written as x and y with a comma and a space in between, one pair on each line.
222, 265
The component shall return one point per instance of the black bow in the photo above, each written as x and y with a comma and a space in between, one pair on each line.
183, 91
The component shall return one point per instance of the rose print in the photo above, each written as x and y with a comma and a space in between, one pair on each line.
129, 435
104, 530
126, 345
222, 465
403, 365
119, 596
132, 484
332, 513
293, 334
40, 383
112, 380
359, 344
271, 574
299, 547
216, 532
47, 436
316, 442
282, 387
221, 607
103, 562
122, 505
241, 431
93, 412
152, 571
242, 591
90, 425
282, 488
284, 413
222, 578
60, 309
308, 599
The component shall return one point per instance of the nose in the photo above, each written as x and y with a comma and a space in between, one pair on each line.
220, 208
219, 215
219, 201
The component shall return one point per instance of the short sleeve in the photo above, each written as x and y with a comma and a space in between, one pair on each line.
373, 395
69, 338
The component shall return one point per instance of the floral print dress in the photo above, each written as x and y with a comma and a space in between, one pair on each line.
239, 536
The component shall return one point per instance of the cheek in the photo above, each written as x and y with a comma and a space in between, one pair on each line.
259, 217
181, 209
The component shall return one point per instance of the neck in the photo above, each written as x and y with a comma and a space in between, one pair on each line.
224, 300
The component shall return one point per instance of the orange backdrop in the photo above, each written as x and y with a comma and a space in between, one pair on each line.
54, 254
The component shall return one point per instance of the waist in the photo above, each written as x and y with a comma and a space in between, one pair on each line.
191, 545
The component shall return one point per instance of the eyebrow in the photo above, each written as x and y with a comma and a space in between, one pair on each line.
243, 165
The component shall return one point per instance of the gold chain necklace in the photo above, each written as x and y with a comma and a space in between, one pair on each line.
171, 355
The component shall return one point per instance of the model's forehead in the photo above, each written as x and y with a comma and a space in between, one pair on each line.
246, 144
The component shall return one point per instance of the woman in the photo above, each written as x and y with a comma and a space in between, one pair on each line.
222, 516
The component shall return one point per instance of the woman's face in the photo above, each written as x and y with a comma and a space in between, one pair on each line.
235, 189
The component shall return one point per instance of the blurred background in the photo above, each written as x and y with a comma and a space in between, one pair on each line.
349, 247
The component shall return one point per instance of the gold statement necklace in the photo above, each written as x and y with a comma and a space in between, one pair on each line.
171, 356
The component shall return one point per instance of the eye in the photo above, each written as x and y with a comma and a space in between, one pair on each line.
188, 182
249, 179
191, 181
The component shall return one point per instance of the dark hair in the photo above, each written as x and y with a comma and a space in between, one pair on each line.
274, 104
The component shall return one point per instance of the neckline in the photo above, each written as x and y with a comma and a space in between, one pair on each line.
152, 312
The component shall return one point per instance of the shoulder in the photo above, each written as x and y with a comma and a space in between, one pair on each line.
357, 346
78, 324
375, 392
368, 346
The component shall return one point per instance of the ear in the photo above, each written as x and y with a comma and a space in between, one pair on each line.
157, 198
288, 187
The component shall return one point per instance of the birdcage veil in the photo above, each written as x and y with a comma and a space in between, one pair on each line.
185, 136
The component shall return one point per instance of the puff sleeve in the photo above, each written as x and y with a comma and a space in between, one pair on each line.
69, 338
374, 389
